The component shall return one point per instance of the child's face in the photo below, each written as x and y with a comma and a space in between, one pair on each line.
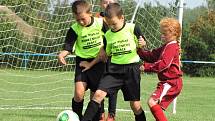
167, 35
115, 23
83, 18
104, 3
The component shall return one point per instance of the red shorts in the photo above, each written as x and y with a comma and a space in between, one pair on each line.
167, 91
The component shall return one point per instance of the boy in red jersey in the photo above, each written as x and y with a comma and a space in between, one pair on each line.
165, 61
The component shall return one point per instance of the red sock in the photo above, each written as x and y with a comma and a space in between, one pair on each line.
158, 113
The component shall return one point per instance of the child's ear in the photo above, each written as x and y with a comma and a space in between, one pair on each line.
122, 17
90, 13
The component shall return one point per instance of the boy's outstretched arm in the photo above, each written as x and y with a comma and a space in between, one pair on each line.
70, 39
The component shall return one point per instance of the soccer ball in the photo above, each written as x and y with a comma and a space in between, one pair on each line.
67, 115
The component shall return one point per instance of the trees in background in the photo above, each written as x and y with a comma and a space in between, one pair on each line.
198, 41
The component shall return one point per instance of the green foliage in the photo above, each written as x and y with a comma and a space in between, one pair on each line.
211, 5
190, 15
198, 44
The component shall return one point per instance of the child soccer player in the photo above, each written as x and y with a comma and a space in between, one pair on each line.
123, 71
166, 63
112, 98
87, 34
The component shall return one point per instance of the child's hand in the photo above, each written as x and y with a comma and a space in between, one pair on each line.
142, 68
61, 57
62, 60
86, 65
142, 42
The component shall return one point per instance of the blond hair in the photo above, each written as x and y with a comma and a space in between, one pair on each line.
172, 25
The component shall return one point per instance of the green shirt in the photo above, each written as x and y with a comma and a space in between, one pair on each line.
122, 45
89, 39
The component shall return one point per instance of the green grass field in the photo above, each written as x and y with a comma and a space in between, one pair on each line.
41, 95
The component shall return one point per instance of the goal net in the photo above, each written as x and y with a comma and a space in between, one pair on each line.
32, 33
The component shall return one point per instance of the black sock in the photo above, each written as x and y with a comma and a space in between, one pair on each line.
97, 115
77, 107
140, 117
112, 103
101, 110
91, 111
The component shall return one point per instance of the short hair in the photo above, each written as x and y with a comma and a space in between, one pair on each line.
80, 6
113, 9
172, 25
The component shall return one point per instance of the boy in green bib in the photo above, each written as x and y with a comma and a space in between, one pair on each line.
112, 98
86, 35
123, 71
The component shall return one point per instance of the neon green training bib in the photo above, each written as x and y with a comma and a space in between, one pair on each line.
89, 39
122, 45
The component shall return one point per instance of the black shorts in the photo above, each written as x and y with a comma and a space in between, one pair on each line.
124, 77
92, 76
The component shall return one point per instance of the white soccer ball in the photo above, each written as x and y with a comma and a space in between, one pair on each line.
67, 115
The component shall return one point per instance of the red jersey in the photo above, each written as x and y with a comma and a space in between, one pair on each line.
164, 61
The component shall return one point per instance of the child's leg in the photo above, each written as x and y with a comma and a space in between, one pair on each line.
93, 105
98, 115
77, 101
112, 100
156, 110
112, 103
77, 107
100, 110
163, 96
138, 111
157, 96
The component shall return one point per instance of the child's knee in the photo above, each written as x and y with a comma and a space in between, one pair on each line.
78, 98
135, 106
99, 96
79, 95
152, 102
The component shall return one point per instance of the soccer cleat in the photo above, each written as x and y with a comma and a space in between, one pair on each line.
102, 118
111, 117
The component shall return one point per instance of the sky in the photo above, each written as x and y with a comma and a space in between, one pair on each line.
195, 3
188, 3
